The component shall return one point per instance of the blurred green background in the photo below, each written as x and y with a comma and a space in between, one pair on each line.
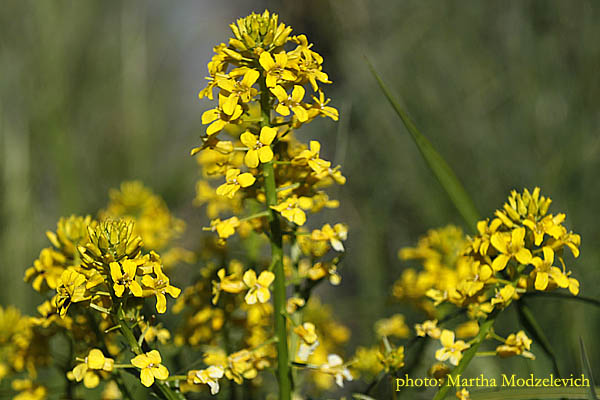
96, 92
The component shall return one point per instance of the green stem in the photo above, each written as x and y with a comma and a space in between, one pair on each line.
284, 375
467, 357
161, 387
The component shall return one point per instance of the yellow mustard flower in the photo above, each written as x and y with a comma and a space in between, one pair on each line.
335, 367
218, 118
46, 269
94, 361
291, 102
123, 276
259, 148
312, 158
511, 246
258, 288
428, 328
463, 394
334, 235
549, 225
544, 270
227, 283
452, 349
234, 181
209, 376
504, 295
239, 90
393, 326
224, 228
159, 286
291, 209
151, 367
516, 344
310, 340
320, 107
71, 289
276, 68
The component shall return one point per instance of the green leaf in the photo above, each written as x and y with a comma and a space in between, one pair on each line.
588, 369
530, 393
440, 168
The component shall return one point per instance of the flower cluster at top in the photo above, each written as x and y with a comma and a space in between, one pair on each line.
262, 99
520, 250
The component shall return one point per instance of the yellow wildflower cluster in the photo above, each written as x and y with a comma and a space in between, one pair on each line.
154, 223
512, 254
267, 83
96, 277
439, 253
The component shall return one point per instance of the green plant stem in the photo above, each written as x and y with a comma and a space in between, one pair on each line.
159, 386
284, 375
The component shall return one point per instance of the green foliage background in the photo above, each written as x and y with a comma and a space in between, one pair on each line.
93, 93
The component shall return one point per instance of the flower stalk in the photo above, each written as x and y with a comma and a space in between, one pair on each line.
284, 375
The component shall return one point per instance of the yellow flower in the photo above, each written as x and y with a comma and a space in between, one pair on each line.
311, 158
518, 344
544, 269
320, 107
239, 90
335, 366
259, 288
549, 225
159, 286
335, 235
224, 228
229, 284
150, 364
71, 289
393, 326
123, 277
47, 268
481, 242
428, 328
218, 118
391, 358
310, 340
323, 269
276, 68
504, 295
452, 350
291, 102
259, 148
463, 394
209, 376
293, 304
235, 181
291, 209
511, 246
95, 360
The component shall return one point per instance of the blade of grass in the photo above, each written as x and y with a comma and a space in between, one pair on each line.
588, 369
442, 171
